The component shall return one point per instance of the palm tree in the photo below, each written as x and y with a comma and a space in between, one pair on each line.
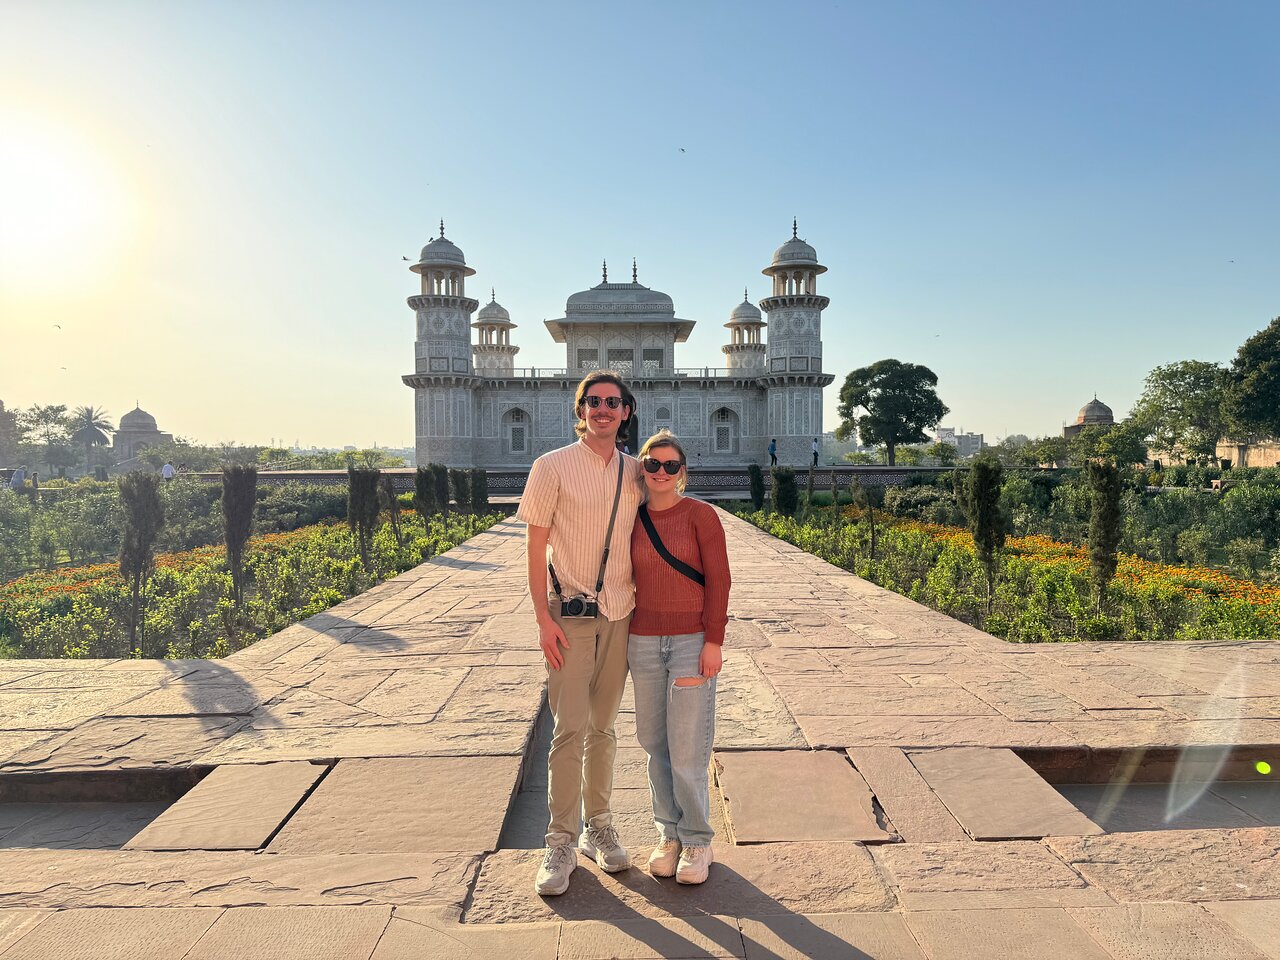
89, 427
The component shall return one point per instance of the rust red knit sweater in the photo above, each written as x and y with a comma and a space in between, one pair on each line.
667, 602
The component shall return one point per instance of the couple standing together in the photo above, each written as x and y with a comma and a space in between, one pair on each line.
612, 594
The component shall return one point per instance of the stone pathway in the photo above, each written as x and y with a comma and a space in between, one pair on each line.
369, 784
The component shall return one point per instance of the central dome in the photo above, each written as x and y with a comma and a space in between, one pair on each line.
138, 419
620, 296
1095, 411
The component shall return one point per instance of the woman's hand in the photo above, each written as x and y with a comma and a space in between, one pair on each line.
711, 660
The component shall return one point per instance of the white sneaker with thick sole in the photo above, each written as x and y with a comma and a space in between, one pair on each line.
558, 863
695, 864
662, 862
600, 842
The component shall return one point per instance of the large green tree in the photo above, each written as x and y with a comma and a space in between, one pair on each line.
1181, 409
89, 428
900, 401
1124, 444
1252, 402
48, 426
8, 437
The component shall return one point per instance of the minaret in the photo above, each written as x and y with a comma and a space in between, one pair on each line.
443, 378
745, 352
793, 357
493, 350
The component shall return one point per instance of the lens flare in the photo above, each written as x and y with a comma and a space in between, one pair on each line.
1262, 767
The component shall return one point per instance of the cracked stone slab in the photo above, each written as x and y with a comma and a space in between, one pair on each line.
120, 743
111, 878
200, 699
233, 808
749, 712
1154, 931
59, 709
914, 810
505, 631
968, 875
435, 804
398, 740
1257, 920
1178, 865
1117, 733
909, 658
513, 694
305, 708
828, 798
113, 934
413, 696
294, 933
421, 933
689, 938
745, 881
14, 742
1014, 934
883, 936
806, 629
1020, 698
995, 796
888, 701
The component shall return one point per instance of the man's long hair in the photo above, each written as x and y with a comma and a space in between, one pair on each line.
589, 381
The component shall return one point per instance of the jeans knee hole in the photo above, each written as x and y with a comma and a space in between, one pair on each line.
689, 682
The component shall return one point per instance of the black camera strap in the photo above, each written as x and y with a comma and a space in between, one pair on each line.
666, 554
608, 537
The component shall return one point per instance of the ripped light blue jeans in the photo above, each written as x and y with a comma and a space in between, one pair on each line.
676, 726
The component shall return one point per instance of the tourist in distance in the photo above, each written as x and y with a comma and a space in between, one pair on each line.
580, 501
773, 452
682, 600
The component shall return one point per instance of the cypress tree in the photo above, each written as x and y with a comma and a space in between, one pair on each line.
461, 488
143, 520
757, 485
479, 490
362, 509
389, 502
440, 475
786, 497
424, 493
239, 498
979, 496
1104, 524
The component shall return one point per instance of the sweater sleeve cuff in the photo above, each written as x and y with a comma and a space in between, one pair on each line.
713, 633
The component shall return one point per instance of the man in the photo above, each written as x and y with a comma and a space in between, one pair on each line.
19, 478
167, 470
815, 451
773, 452
567, 503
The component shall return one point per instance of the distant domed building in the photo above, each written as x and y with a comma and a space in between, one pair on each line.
138, 430
473, 407
1095, 413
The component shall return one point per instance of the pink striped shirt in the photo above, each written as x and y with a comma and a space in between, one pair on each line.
571, 491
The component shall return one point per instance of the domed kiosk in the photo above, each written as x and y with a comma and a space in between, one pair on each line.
1095, 413
138, 430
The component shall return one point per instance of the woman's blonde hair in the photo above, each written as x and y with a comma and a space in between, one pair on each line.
665, 438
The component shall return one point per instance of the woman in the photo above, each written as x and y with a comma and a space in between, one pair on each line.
674, 654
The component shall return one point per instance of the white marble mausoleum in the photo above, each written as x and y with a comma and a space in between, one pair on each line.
475, 407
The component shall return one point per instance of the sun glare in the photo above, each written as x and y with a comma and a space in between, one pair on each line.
62, 207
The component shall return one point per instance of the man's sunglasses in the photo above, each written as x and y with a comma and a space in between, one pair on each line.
613, 403
671, 466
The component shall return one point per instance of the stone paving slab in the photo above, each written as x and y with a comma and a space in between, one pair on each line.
110, 878
116, 934
911, 806
123, 743
839, 936
897, 700
1257, 920
995, 796
1138, 807
828, 799
58, 709
749, 712
1260, 800
398, 740
745, 881
200, 699
1016, 934
683, 938
1179, 865
75, 826
421, 933
15, 924
296, 933
965, 875
908, 732
233, 808
450, 804
1154, 931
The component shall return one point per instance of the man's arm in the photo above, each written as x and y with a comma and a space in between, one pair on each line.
549, 632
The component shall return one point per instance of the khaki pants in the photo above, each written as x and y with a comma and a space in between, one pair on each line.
584, 695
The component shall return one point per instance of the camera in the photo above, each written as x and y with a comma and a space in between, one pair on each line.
579, 607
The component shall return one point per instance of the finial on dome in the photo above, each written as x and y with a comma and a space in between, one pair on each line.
493, 296
442, 228
633, 270
793, 229
604, 271
745, 298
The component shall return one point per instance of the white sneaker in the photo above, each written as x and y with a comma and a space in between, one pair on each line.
557, 864
600, 842
662, 862
695, 864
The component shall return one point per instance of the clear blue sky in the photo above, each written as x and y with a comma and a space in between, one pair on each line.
1036, 200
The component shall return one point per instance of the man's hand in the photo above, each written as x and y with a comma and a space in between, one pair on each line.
549, 635
710, 662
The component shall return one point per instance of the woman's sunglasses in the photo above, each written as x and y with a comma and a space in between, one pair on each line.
613, 403
671, 466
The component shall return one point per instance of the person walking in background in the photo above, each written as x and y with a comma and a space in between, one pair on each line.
580, 501
19, 479
167, 470
682, 600
773, 452
815, 451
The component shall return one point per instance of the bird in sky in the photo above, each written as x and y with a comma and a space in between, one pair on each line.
404, 258
682, 149
58, 325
